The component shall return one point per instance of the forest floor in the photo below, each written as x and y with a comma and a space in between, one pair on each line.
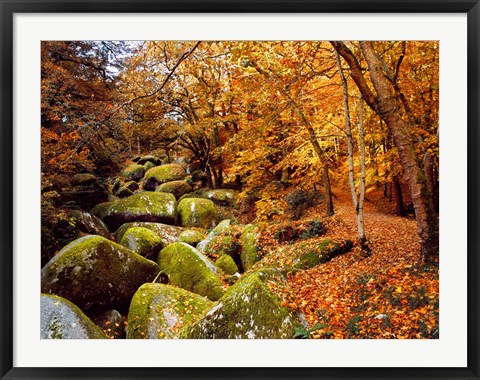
386, 294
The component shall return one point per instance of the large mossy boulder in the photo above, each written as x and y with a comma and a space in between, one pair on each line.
148, 206
123, 192
164, 173
191, 236
224, 244
149, 158
88, 224
197, 212
97, 274
177, 188
169, 234
133, 172
143, 241
249, 254
226, 264
222, 197
159, 311
148, 165
189, 269
61, 319
248, 310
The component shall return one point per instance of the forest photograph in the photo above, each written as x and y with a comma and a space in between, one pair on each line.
239, 190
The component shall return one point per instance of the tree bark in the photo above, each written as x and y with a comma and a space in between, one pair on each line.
385, 105
398, 196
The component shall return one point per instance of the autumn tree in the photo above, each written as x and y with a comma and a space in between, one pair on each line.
387, 100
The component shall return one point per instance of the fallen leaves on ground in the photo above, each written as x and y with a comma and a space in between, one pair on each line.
386, 295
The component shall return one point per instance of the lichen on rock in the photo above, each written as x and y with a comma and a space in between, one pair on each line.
177, 188
159, 311
248, 310
96, 274
161, 174
61, 319
189, 269
147, 206
197, 212
143, 241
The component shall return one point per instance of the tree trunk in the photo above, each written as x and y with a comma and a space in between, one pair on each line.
328, 191
385, 105
357, 199
398, 196
361, 198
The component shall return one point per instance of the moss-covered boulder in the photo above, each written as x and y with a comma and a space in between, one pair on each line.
226, 264
147, 206
148, 165
123, 192
189, 269
220, 227
143, 241
323, 252
177, 188
133, 172
169, 234
149, 158
61, 319
97, 274
222, 197
100, 210
131, 185
159, 311
249, 254
88, 224
111, 322
248, 310
206, 244
224, 244
161, 174
192, 237
197, 212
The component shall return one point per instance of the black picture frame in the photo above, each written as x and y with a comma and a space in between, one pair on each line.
9, 8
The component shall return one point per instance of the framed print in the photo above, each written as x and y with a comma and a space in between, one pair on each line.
211, 189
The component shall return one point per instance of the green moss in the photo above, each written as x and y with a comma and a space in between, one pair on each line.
96, 274
224, 197
247, 310
148, 165
197, 212
169, 234
249, 254
224, 224
61, 319
142, 207
142, 241
131, 185
192, 237
101, 210
325, 251
158, 311
177, 188
187, 268
226, 264
123, 192
221, 245
161, 174
133, 172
